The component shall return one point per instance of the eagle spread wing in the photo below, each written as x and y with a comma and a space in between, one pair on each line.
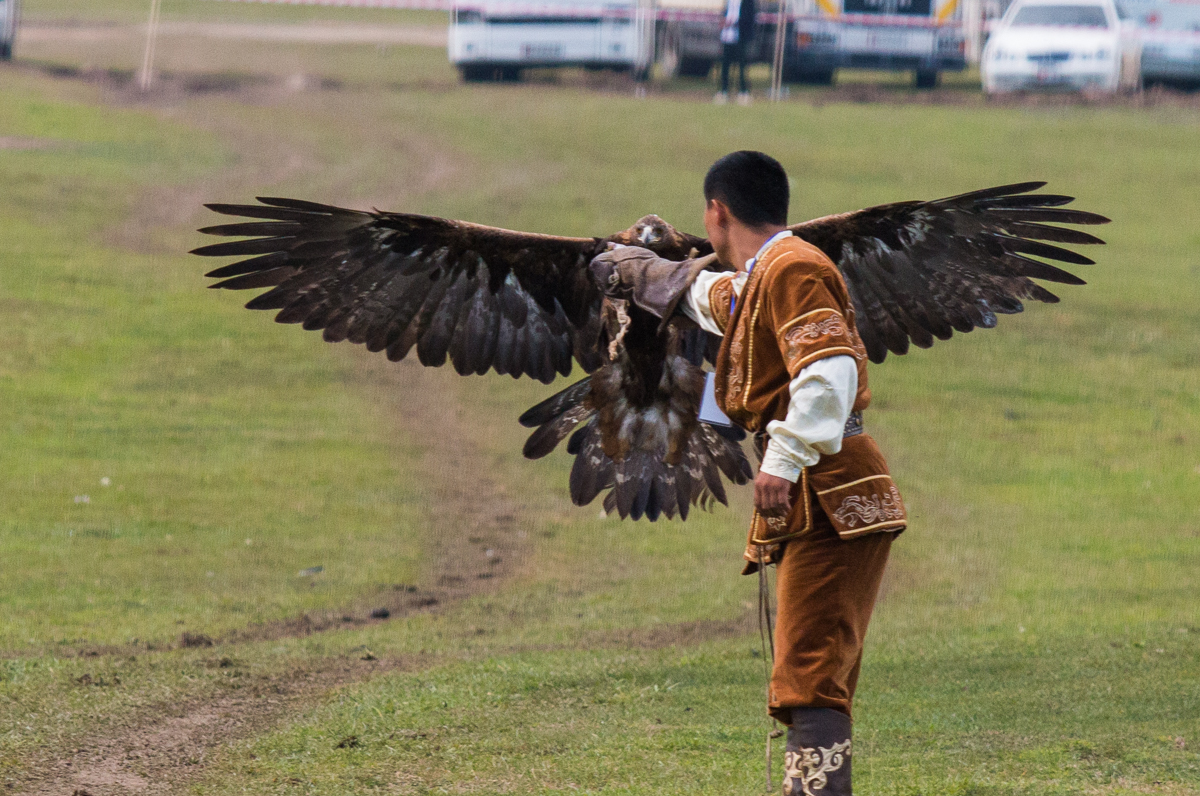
488, 298
920, 270
513, 302
527, 304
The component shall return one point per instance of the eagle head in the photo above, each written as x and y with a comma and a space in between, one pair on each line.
650, 231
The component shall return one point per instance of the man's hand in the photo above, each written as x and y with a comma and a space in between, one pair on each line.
772, 495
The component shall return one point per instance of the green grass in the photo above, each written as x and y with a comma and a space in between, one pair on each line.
1039, 632
155, 474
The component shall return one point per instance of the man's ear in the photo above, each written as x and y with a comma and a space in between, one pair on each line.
720, 212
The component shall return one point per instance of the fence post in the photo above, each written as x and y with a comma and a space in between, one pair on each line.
780, 44
147, 75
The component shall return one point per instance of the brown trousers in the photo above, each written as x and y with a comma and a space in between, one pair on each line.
825, 591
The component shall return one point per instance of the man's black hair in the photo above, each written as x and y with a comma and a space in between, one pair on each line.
752, 185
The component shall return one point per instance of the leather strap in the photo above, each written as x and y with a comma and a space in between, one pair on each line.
854, 425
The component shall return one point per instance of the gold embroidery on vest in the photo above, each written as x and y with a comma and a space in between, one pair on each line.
720, 298
758, 275
870, 509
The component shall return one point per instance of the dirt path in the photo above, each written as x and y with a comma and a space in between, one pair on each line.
162, 748
307, 33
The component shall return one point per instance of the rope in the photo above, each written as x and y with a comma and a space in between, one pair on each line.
766, 635
623, 319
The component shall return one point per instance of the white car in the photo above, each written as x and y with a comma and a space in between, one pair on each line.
1059, 44
1170, 36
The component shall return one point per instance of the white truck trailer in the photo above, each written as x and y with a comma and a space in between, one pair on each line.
497, 39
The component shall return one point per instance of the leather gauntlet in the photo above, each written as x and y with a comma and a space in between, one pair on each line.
649, 281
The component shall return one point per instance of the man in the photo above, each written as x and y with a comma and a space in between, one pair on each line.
792, 369
737, 34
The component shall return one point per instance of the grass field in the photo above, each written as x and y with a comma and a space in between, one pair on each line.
173, 461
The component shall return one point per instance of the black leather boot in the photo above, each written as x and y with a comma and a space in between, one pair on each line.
817, 760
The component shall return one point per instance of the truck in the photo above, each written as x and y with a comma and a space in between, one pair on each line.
822, 36
9, 14
499, 39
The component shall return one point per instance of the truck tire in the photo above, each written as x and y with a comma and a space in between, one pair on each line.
489, 73
476, 73
6, 51
926, 78
676, 63
809, 77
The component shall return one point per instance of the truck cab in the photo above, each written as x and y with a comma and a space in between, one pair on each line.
497, 40
9, 14
924, 36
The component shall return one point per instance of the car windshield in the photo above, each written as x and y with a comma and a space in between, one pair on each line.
1060, 16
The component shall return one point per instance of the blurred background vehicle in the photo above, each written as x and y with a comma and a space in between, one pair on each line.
922, 36
1054, 44
498, 40
1170, 38
9, 13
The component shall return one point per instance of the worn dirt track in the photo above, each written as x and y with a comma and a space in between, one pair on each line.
317, 33
165, 747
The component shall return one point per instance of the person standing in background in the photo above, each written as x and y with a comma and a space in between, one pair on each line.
737, 34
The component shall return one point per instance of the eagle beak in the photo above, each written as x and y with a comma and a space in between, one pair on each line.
647, 235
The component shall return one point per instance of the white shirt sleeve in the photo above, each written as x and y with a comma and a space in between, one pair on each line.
822, 396
695, 302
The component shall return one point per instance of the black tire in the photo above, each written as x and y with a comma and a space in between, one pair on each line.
489, 73
809, 77
6, 51
678, 64
926, 78
476, 73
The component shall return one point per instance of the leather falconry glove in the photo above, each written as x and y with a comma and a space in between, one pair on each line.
649, 281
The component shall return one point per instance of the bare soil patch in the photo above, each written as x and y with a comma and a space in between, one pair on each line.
18, 143
472, 528
311, 33
159, 750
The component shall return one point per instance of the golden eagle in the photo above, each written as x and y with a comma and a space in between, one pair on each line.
527, 305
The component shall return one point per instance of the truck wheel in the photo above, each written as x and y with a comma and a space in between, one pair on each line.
6, 51
809, 77
926, 78
476, 73
676, 63
695, 67
489, 73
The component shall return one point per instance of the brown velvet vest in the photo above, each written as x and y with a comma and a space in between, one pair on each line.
793, 311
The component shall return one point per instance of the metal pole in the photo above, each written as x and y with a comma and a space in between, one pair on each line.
973, 27
645, 22
147, 75
777, 64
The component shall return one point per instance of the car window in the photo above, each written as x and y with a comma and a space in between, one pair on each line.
1060, 16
